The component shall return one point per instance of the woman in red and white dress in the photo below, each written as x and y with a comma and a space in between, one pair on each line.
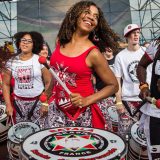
83, 35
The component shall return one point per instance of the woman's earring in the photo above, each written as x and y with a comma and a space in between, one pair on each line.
95, 37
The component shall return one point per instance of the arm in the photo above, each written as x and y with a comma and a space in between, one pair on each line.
6, 91
141, 74
119, 93
48, 81
97, 61
119, 105
119, 75
48, 84
142, 67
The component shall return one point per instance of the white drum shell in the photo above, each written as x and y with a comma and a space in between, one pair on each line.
14, 144
4, 126
137, 149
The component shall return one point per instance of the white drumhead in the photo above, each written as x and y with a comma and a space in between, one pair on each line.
138, 135
3, 118
113, 113
73, 143
20, 131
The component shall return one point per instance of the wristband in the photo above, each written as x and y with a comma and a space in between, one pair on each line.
119, 103
145, 85
45, 104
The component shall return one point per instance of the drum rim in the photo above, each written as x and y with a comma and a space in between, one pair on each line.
4, 116
123, 153
26, 136
134, 138
134, 155
4, 132
4, 107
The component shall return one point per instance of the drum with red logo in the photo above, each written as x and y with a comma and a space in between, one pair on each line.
137, 144
4, 126
114, 118
73, 143
17, 134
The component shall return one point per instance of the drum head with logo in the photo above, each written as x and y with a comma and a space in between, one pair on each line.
73, 143
138, 134
20, 131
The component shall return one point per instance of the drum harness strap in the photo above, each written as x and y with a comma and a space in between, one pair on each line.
30, 114
128, 108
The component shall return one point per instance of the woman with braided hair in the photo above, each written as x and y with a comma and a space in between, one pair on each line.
83, 35
151, 115
31, 78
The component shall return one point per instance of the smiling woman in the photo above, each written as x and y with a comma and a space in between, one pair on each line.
31, 78
84, 33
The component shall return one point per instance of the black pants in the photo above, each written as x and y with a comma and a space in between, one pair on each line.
155, 136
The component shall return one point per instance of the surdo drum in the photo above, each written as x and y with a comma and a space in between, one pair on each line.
73, 143
17, 134
4, 126
137, 144
114, 118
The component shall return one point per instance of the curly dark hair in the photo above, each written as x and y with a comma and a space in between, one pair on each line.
37, 39
6, 54
105, 35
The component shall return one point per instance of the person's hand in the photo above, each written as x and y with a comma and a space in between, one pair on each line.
9, 110
44, 109
77, 100
120, 108
145, 92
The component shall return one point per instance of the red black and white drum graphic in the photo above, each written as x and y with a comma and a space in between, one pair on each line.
73, 143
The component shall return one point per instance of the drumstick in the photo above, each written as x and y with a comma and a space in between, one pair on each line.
154, 101
128, 116
13, 130
131, 117
12, 120
42, 60
30, 128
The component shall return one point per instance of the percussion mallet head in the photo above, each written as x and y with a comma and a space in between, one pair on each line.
43, 60
158, 103
43, 98
154, 101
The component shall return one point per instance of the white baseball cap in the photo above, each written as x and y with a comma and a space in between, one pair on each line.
129, 28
